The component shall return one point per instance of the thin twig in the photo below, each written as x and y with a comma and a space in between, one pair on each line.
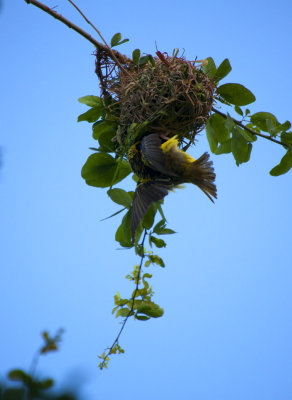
132, 305
34, 362
90, 23
250, 130
113, 53
110, 50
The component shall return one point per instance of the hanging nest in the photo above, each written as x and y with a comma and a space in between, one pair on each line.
170, 95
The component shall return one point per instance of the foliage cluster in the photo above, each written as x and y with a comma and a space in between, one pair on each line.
30, 387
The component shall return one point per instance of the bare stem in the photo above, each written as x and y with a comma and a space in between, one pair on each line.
110, 50
34, 363
115, 55
90, 23
250, 130
132, 305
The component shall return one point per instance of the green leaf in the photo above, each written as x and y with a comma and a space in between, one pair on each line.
91, 101
115, 39
143, 60
120, 196
160, 228
229, 123
159, 208
126, 225
106, 143
284, 127
17, 375
150, 309
119, 236
139, 250
220, 131
117, 349
154, 259
151, 60
210, 68
136, 56
236, 94
113, 215
135, 178
240, 148
146, 276
160, 225
104, 132
238, 110
123, 233
270, 126
167, 231
224, 148
158, 242
261, 119
103, 127
142, 317
223, 70
286, 137
119, 301
213, 143
92, 115
100, 169
284, 166
249, 137
45, 384
122, 312
122, 42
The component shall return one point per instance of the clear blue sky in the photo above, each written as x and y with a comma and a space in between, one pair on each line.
226, 289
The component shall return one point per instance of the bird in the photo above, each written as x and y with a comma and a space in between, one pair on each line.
161, 166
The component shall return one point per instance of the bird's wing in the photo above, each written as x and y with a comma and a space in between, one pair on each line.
146, 194
153, 154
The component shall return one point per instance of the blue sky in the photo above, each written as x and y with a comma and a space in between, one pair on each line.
226, 288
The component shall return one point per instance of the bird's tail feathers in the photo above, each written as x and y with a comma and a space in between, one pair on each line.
202, 174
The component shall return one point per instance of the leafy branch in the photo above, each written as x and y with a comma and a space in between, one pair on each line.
140, 305
33, 388
51, 343
252, 131
115, 346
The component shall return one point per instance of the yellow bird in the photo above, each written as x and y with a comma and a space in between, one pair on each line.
161, 166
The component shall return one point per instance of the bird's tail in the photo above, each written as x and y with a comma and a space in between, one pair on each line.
201, 173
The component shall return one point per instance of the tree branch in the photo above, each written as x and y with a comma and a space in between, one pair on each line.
120, 57
250, 130
102, 364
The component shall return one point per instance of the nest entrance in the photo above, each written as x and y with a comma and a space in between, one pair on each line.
172, 94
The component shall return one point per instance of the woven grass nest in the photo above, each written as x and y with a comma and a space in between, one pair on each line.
173, 95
